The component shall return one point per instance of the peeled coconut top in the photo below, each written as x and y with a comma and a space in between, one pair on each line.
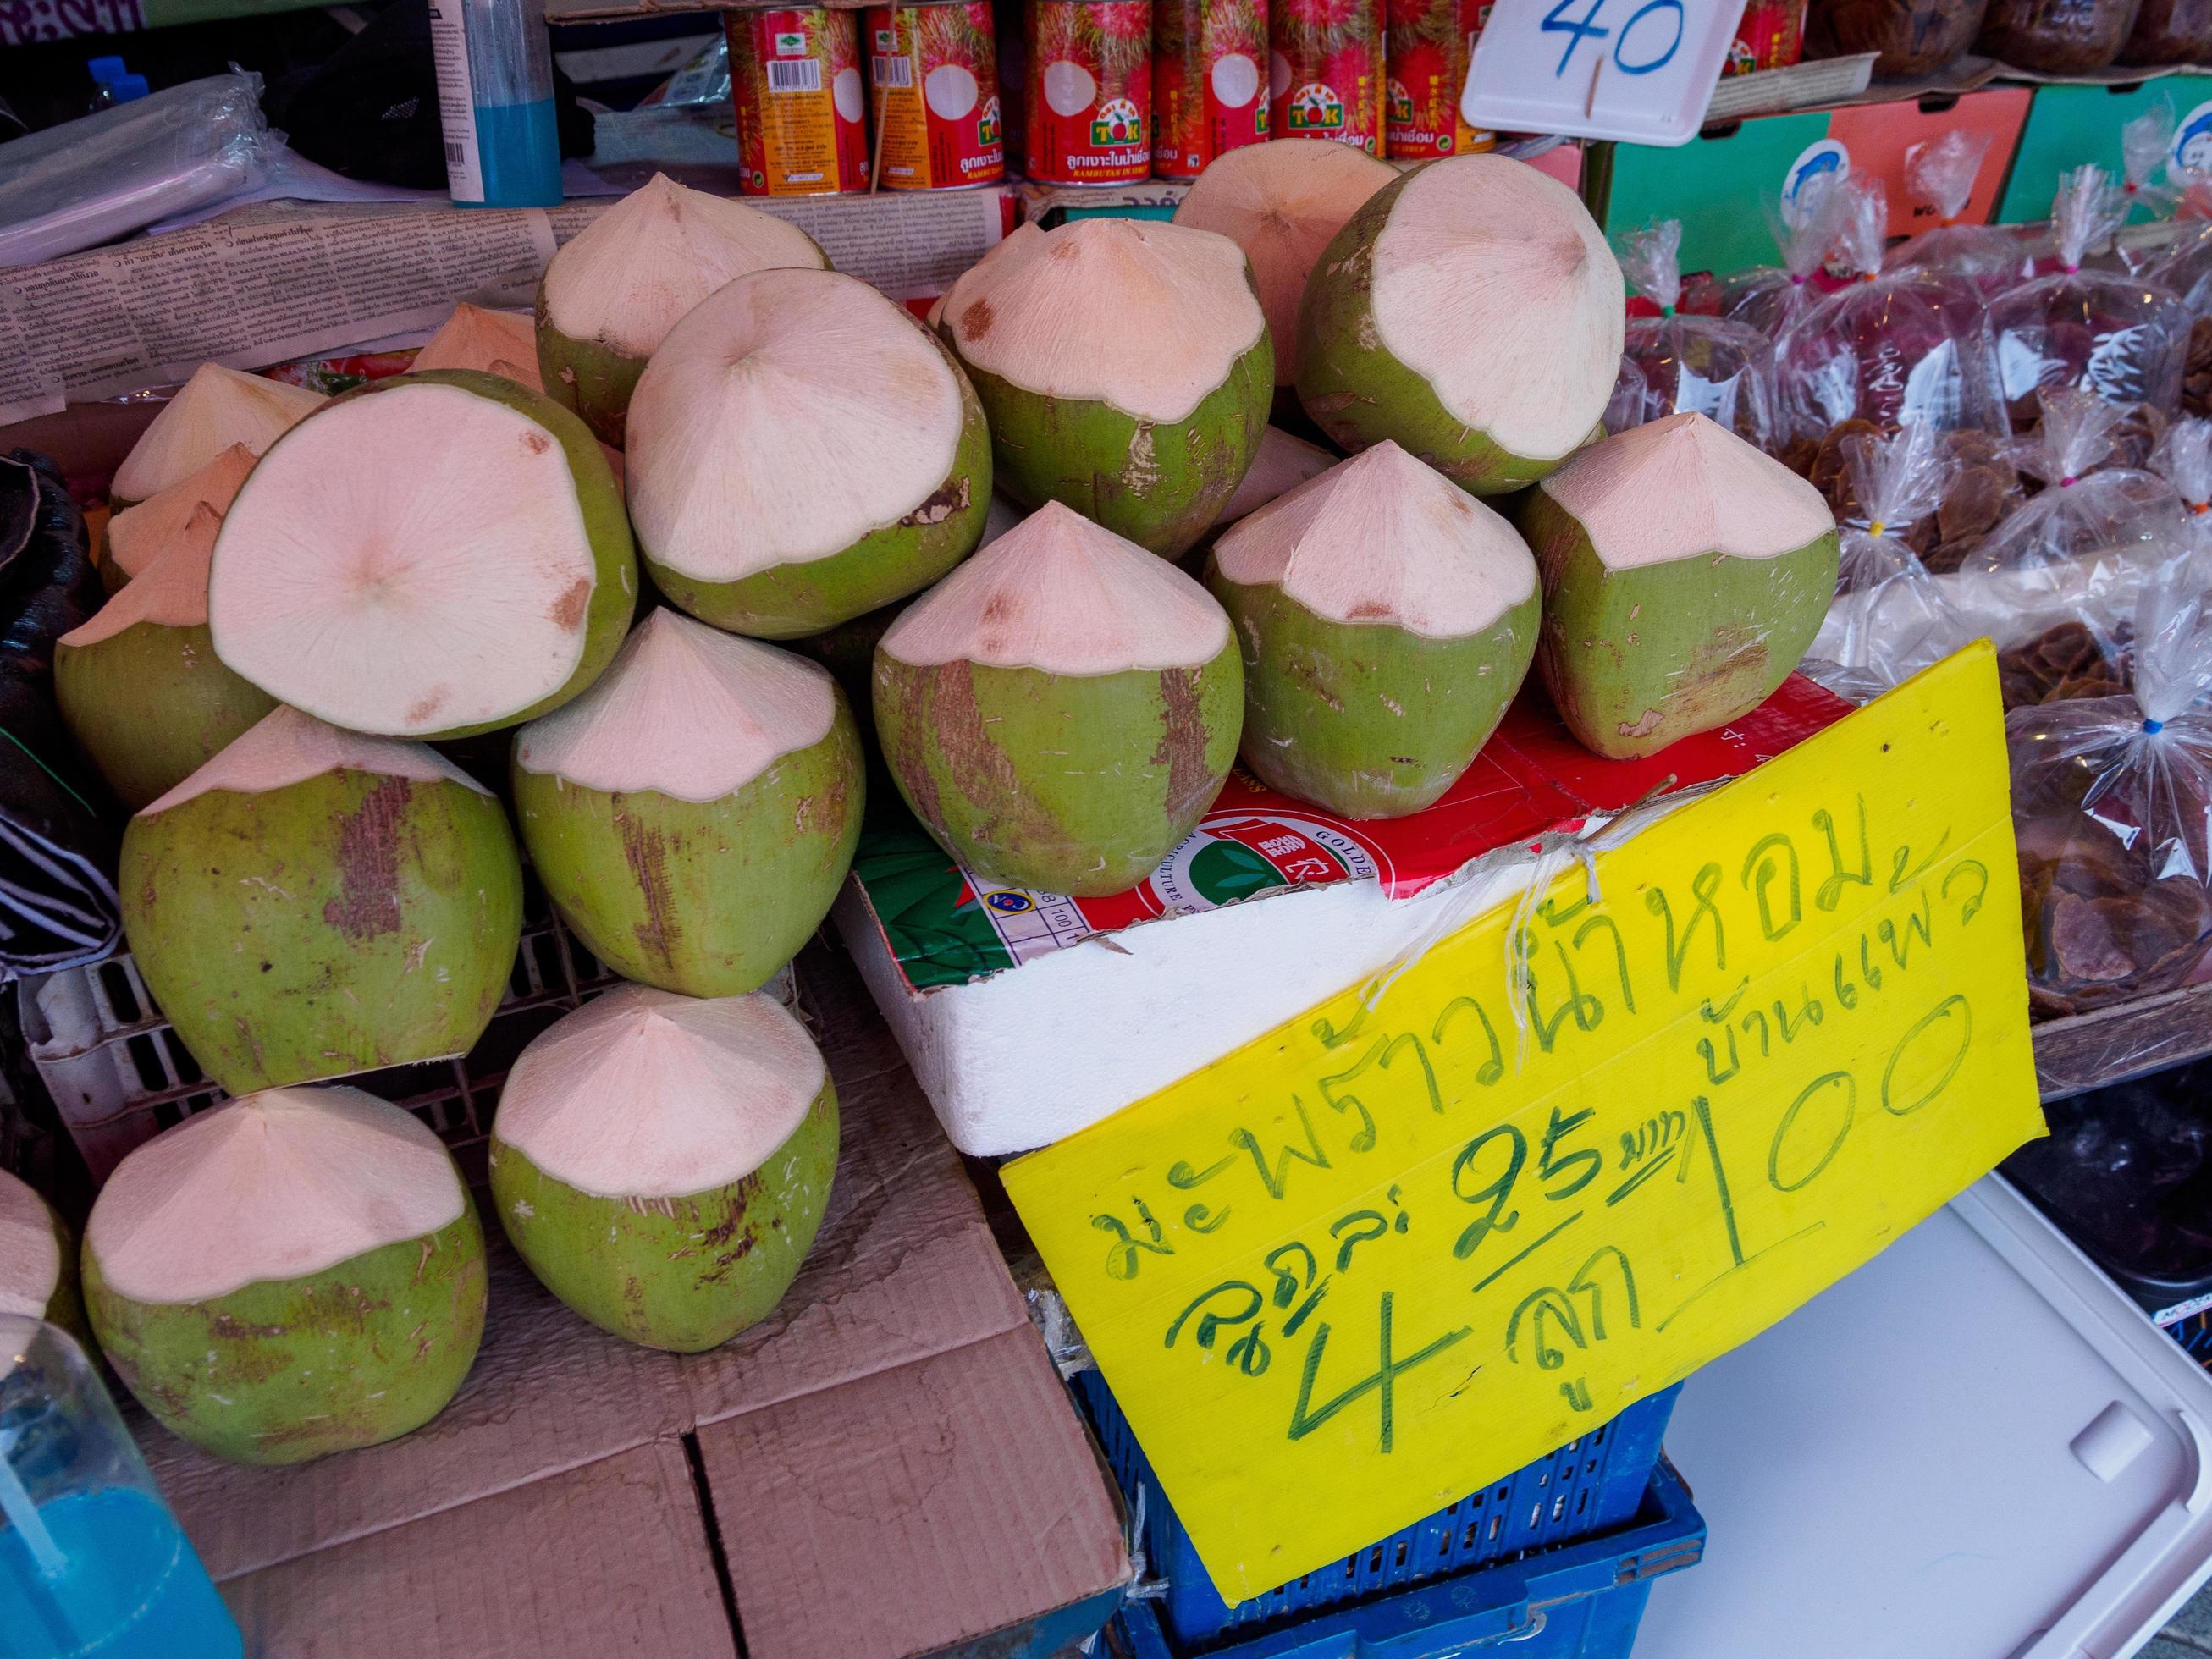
170, 593
278, 1185
1684, 485
1385, 538
627, 276
421, 535
502, 342
1281, 205
786, 416
1060, 594
217, 408
136, 534
1491, 282
30, 1255
1147, 317
646, 1094
285, 747
1283, 462
686, 710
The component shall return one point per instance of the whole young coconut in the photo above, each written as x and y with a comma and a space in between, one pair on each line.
801, 451
1060, 711
139, 686
1125, 369
431, 556
692, 816
1283, 204
1388, 619
1685, 574
1472, 312
287, 1275
612, 293
312, 903
217, 408
38, 1261
136, 535
1284, 461
501, 342
662, 1163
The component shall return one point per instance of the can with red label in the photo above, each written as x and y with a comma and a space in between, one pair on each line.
934, 76
1325, 70
795, 79
1090, 91
1209, 81
1429, 42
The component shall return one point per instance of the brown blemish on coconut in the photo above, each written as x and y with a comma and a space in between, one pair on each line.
427, 704
953, 498
568, 611
975, 321
537, 442
645, 849
367, 902
1182, 739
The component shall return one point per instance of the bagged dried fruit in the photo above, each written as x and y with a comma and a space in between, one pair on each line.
1709, 366
1624, 408
1939, 176
2184, 459
2055, 37
2111, 798
1909, 346
2170, 32
1912, 37
2121, 337
1983, 486
1771, 297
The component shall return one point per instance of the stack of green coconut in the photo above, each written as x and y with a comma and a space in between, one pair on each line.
579, 541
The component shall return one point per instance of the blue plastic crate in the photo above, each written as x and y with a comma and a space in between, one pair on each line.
1585, 1487
1578, 1601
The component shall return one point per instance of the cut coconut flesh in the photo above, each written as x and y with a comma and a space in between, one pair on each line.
217, 408
502, 342
289, 747
279, 1185
1058, 594
170, 591
686, 710
792, 419
136, 535
1282, 204
435, 556
1284, 461
646, 1094
30, 1250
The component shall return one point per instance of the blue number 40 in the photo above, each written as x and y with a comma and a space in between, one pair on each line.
1585, 28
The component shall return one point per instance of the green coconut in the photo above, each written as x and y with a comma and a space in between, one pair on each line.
501, 342
139, 686
615, 290
1126, 368
312, 903
693, 815
290, 1274
38, 1261
1061, 710
663, 1163
1386, 619
803, 451
217, 408
1472, 313
136, 535
435, 555
1685, 574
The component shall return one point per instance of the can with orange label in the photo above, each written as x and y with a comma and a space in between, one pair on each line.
934, 76
1090, 91
1429, 45
795, 79
1325, 70
1209, 81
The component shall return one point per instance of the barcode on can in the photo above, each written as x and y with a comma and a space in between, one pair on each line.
453, 152
895, 72
803, 77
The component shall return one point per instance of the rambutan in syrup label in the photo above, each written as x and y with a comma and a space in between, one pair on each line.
933, 71
1209, 81
1090, 91
1430, 43
1325, 70
795, 78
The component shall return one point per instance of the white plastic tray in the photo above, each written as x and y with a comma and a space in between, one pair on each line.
1975, 1447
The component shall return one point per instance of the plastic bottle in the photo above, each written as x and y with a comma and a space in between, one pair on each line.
496, 102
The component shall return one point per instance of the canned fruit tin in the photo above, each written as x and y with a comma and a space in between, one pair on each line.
934, 71
1429, 42
795, 80
1325, 70
1090, 91
1209, 91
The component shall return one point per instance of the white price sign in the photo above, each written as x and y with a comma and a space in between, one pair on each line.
1642, 70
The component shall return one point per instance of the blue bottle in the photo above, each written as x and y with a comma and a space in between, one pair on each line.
495, 102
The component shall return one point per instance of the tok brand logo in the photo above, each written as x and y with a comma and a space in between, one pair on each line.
791, 44
1116, 124
1316, 108
1402, 105
986, 123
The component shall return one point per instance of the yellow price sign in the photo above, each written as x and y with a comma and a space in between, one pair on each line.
1445, 1223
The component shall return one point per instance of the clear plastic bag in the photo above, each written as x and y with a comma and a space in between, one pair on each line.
90, 180
1940, 175
1770, 298
2184, 459
1907, 346
1891, 618
1624, 408
2120, 337
1709, 366
2110, 799
2145, 141
2055, 37
1912, 37
2170, 32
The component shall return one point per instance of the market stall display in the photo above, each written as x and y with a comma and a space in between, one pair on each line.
1703, 365
1939, 177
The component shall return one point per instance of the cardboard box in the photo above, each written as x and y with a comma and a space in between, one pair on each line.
2070, 125
887, 1466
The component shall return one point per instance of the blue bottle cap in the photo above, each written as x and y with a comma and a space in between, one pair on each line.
125, 88
104, 70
